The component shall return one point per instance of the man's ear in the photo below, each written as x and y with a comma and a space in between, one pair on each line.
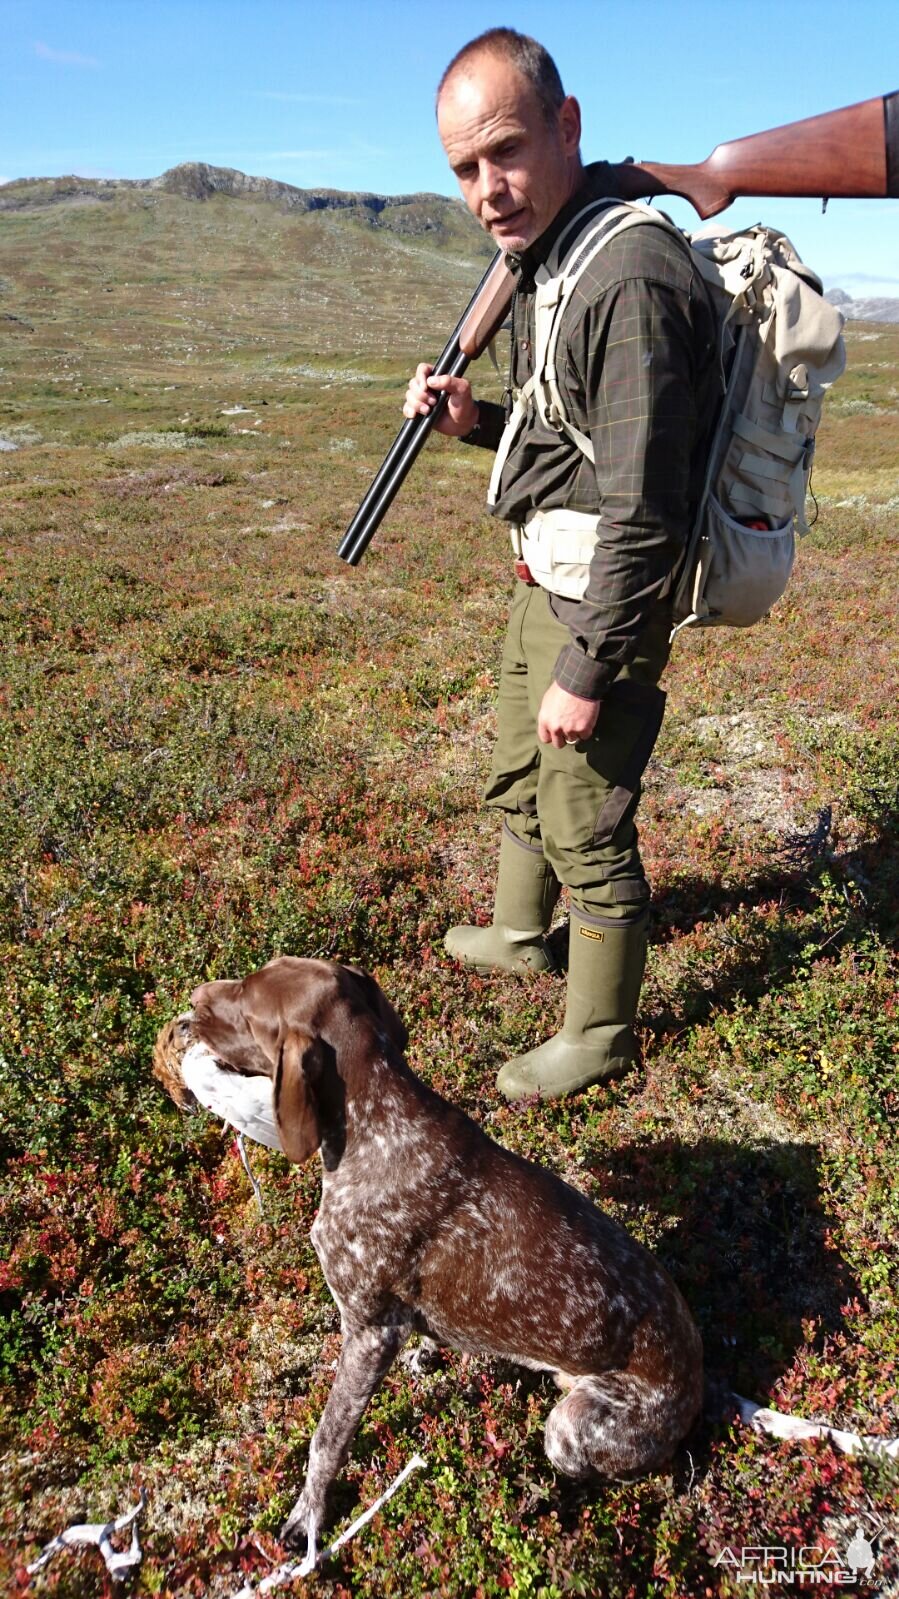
570, 125
298, 1080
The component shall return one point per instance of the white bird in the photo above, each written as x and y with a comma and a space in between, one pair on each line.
245, 1103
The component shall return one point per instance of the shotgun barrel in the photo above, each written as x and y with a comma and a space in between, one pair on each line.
406, 446
852, 153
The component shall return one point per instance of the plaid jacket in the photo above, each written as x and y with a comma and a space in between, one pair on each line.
637, 359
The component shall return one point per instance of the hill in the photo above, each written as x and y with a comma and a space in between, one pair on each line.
875, 309
445, 221
208, 267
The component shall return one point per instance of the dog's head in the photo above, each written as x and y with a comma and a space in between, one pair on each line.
310, 1025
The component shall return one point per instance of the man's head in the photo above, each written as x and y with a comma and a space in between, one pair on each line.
511, 135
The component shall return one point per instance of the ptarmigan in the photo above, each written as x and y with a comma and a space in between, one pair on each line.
190, 1072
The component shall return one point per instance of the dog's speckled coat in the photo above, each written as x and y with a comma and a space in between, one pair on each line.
426, 1225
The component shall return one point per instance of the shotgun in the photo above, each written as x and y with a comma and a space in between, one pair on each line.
848, 154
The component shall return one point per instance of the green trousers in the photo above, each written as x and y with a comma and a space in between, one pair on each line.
577, 804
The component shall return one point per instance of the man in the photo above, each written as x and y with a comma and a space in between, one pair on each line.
579, 708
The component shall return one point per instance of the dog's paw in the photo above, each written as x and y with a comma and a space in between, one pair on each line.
301, 1527
426, 1358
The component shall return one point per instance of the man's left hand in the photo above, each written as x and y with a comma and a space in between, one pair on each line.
565, 718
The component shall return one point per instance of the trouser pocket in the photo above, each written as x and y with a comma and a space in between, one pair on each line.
626, 730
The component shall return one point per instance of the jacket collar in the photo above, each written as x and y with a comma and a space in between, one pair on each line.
597, 182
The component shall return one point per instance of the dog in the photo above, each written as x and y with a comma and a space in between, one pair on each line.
428, 1226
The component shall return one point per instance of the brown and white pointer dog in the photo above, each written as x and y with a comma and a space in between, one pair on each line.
428, 1226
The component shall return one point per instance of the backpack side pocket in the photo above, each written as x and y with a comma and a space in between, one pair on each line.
740, 571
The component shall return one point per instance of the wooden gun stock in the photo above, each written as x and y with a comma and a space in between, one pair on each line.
851, 154
848, 154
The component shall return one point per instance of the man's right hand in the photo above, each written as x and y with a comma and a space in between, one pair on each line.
460, 414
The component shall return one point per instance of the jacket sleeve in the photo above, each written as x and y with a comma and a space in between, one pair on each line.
630, 364
490, 425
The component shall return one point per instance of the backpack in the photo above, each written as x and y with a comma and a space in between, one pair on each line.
780, 349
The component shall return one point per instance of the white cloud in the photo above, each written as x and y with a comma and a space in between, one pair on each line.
340, 159
63, 58
863, 285
871, 277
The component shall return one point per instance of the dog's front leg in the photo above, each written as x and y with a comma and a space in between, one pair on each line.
367, 1353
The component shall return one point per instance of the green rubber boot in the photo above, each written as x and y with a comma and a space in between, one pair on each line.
605, 970
526, 893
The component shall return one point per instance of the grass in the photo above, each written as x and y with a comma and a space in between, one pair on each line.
219, 744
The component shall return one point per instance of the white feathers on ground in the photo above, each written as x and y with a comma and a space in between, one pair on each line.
119, 1563
778, 1425
244, 1102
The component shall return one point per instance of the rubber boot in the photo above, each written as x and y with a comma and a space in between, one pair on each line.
526, 893
597, 1041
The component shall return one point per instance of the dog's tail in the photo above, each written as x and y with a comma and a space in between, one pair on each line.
619, 1425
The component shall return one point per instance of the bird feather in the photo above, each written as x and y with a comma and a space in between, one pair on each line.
244, 1102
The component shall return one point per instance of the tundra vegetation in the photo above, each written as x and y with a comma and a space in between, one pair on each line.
219, 744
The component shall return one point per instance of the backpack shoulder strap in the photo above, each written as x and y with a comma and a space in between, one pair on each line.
556, 282
579, 243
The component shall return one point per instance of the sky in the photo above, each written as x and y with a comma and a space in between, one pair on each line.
339, 93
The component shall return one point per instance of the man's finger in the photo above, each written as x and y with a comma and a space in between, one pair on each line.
417, 404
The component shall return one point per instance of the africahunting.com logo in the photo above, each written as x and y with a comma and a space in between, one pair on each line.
808, 1566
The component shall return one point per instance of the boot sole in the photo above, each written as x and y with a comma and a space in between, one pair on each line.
487, 969
563, 1090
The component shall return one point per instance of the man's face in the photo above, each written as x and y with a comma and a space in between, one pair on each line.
515, 170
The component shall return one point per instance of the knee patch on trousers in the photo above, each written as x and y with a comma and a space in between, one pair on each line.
615, 903
629, 723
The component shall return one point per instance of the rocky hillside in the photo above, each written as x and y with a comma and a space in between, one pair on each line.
871, 310
432, 216
211, 268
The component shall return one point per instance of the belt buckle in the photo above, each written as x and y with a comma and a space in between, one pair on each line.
524, 573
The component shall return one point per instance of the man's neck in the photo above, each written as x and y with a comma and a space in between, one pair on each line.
592, 182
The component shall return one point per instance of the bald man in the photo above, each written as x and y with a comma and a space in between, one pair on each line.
579, 706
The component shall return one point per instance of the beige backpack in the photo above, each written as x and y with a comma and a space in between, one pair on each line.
781, 348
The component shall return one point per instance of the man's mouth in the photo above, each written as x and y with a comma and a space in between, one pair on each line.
504, 224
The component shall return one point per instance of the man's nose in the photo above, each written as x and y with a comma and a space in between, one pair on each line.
492, 180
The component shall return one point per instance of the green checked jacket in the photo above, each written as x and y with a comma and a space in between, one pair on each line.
639, 372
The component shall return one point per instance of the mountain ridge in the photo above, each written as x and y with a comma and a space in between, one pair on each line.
414, 215
205, 262
200, 180
876, 308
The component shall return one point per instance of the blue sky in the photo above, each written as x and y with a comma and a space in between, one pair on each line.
339, 93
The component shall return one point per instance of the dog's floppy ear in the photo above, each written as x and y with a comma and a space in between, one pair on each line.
298, 1083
